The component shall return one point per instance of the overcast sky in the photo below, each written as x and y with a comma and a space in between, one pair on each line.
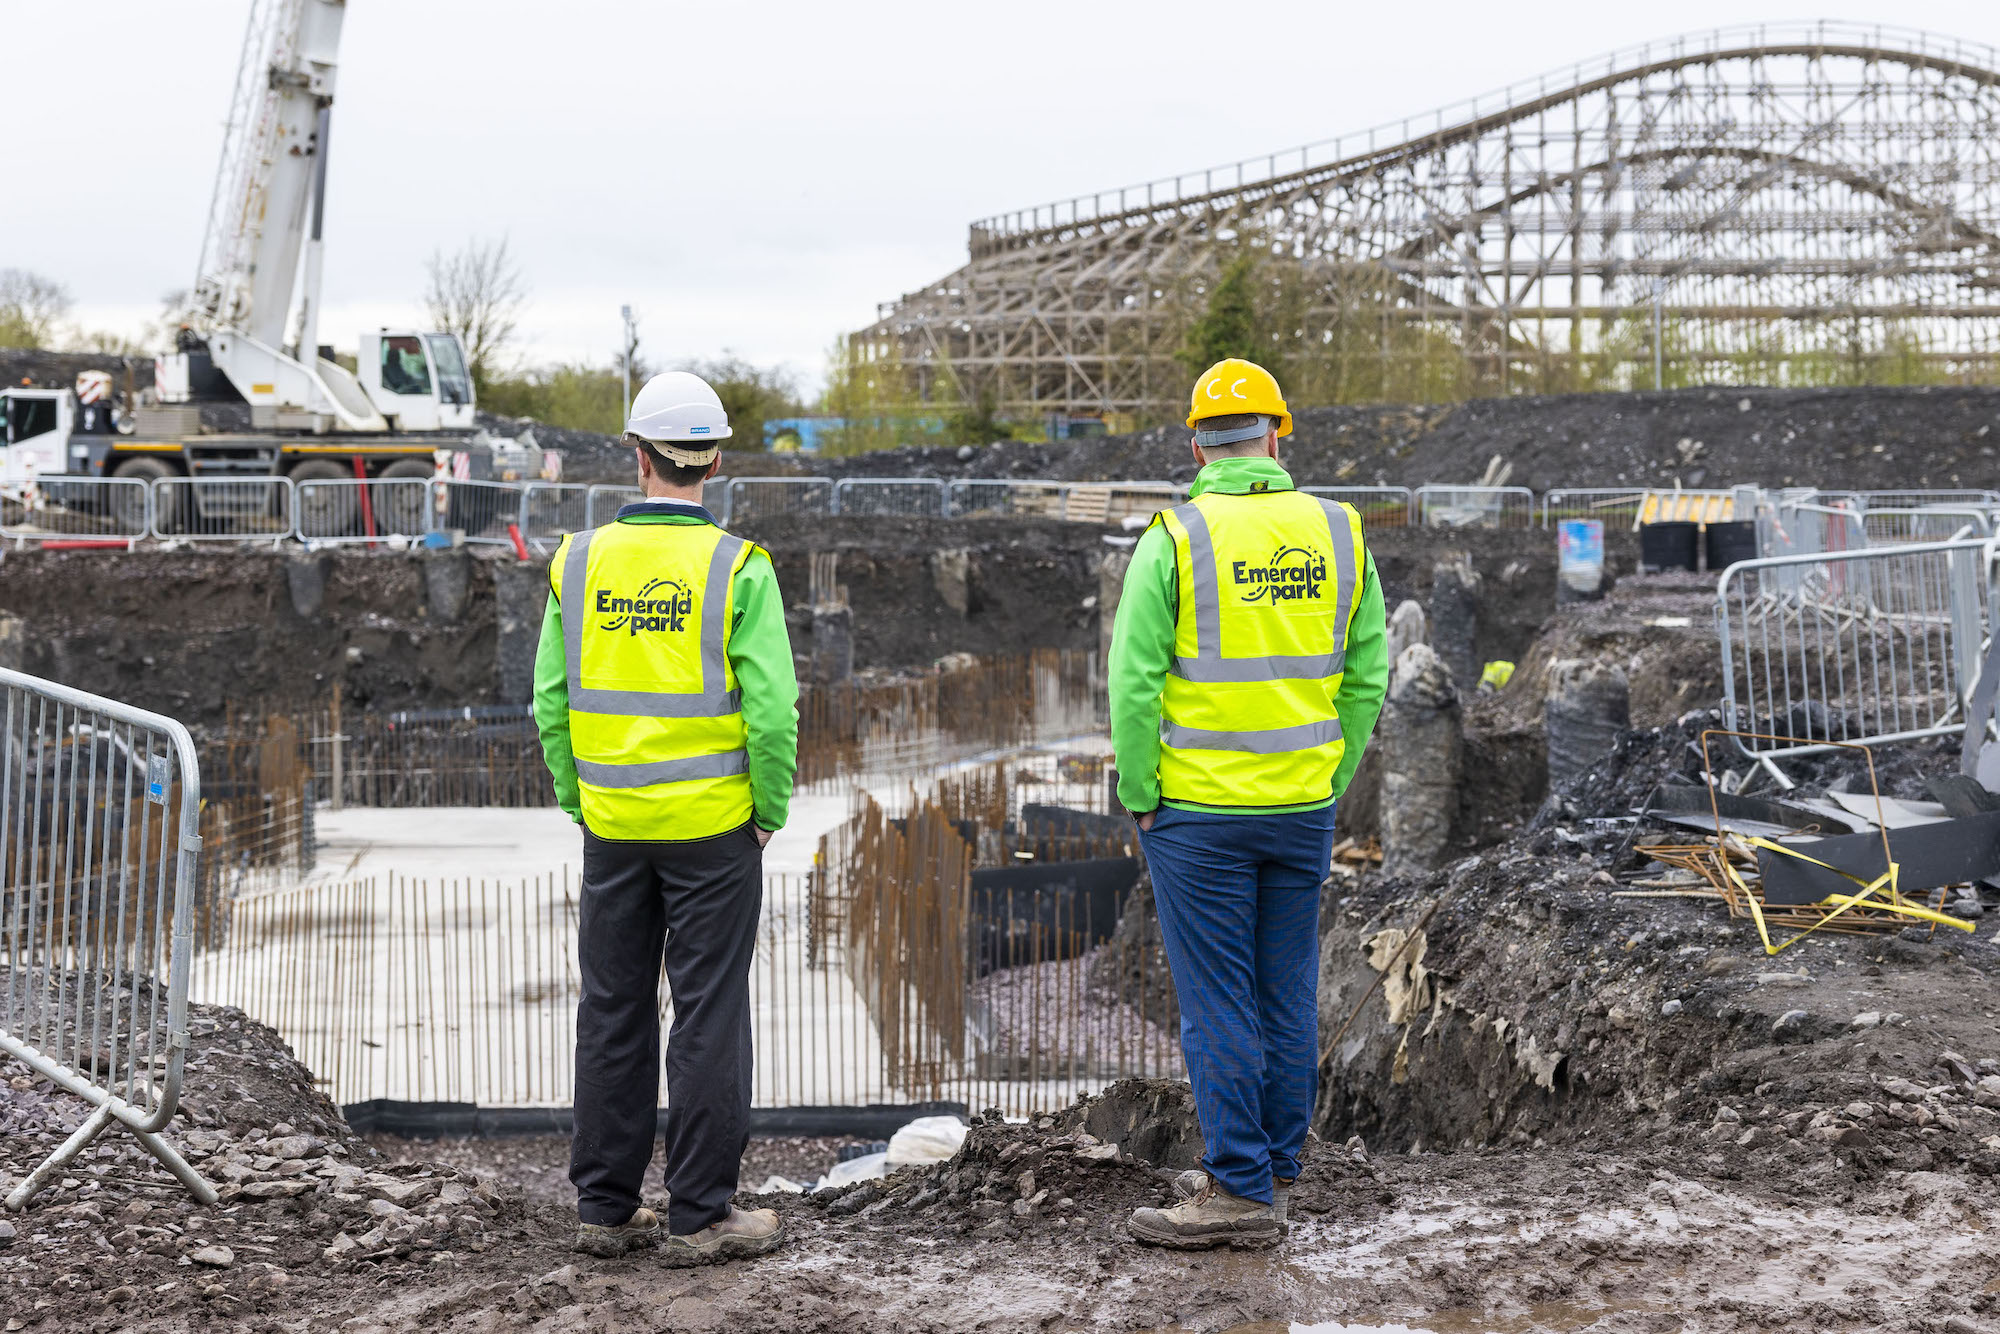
753, 177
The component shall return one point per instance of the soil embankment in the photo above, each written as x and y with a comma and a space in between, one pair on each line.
195, 633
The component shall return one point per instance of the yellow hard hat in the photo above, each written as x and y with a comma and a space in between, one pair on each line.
1234, 385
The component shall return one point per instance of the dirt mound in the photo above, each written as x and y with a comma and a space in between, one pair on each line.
1863, 438
1541, 1009
116, 1240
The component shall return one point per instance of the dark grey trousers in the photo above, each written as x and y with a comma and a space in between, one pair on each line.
697, 903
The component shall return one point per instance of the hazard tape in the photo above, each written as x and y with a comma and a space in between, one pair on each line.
1895, 903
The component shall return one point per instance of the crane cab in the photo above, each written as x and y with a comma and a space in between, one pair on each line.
37, 430
418, 381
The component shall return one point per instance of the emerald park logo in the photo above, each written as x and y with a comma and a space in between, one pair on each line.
663, 604
1293, 574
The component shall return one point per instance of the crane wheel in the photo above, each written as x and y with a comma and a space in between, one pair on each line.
128, 509
326, 511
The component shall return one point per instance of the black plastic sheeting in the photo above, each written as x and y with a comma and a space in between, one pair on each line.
1039, 912
1950, 852
464, 1120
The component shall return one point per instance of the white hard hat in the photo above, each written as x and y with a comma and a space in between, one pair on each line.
676, 407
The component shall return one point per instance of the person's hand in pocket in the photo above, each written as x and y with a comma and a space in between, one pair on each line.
763, 835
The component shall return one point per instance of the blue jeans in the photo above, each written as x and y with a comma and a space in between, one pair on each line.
1239, 914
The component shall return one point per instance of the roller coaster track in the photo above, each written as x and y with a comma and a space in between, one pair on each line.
1787, 202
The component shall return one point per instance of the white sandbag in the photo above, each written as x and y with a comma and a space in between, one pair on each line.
868, 1167
928, 1139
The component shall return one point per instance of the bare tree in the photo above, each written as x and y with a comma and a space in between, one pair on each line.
476, 293
31, 308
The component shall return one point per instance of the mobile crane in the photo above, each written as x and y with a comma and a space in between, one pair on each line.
310, 418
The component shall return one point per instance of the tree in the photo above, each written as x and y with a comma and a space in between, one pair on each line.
1228, 326
750, 395
31, 308
476, 293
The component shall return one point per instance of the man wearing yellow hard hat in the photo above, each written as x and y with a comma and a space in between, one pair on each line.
1248, 665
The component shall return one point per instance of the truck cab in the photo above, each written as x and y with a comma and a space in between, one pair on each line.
418, 381
38, 426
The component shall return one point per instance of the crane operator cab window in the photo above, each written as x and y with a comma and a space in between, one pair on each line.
405, 370
454, 385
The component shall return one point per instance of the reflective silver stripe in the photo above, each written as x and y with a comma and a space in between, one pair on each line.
1303, 667
1209, 666
714, 610
653, 704
1275, 741
1341, 531
711, 701
723, 764
1201, 572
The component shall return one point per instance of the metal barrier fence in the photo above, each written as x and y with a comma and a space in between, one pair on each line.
1926, 499
1934, 523
223, 509
1867, 646
601, 506
1475, 507
775, 497
917, 497
60, 508
482, 511
1808, 529
552, 510
1379, 506
100, 806
342, 510
1612, 504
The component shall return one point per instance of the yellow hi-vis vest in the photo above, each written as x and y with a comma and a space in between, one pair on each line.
1268, 586
655, 715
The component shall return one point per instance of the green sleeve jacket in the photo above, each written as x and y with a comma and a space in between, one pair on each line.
1142, 645
760, 653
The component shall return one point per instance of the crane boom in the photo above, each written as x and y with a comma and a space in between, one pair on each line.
265, 179
264, 215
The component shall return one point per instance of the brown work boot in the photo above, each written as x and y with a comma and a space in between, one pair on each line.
744, 1233
1213, 1217
1189, 1184
608, 1243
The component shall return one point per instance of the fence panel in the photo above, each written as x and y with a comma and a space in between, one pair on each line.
100, 807
994, 499
1379, 506
774, 497
1867, 646
1808, 529
343, 510
917, 497
223, 509
1475, 507
1927, 499
602, 504
552, 510
56, 507
483, 511
715, 499
1615, 505
1932, 523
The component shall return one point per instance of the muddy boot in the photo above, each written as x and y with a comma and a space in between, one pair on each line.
1190, 1183
607, 1242
738, 1237
1213, 1217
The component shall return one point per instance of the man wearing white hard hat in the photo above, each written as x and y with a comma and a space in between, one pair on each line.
669, 718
